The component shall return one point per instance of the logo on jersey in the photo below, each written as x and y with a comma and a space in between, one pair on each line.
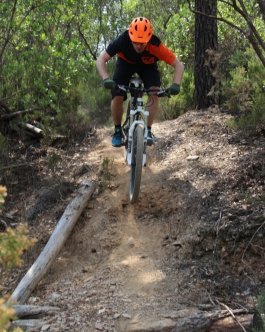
148, 60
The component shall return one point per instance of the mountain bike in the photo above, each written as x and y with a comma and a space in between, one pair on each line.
135, 131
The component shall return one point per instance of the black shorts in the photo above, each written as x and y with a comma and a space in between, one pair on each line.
124, 71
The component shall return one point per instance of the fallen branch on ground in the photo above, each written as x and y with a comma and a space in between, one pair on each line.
233, 315
32, 130
29, 324
23, 310
16, 166
17, 113
54, 245
193, 320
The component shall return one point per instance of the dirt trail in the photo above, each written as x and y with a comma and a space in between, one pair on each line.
112, 275
193, 240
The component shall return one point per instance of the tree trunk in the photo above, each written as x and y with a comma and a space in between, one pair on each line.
205, 46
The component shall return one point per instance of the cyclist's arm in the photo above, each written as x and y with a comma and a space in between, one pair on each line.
101, 64
165, 54
178, 71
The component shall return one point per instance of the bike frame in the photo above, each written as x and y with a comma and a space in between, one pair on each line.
135, 132
137, 116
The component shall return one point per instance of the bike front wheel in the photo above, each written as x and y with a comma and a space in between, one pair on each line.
137, 163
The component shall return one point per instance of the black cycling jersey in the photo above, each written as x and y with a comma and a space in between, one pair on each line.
154, 51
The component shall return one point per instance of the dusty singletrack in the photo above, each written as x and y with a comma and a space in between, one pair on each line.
141, 267
112, 275
115, 272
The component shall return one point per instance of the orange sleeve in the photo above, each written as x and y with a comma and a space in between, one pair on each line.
162, 53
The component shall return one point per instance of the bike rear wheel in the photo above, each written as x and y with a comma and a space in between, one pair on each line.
137, 163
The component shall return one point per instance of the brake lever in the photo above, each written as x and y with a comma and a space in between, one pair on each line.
163, 93
122, 87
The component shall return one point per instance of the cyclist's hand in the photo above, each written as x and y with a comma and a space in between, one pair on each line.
109, 83
174, 89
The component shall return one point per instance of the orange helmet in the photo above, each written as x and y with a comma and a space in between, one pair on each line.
140, 30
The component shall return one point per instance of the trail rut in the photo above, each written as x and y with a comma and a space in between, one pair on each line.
192, 240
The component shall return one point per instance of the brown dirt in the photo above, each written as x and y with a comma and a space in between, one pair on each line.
194, 239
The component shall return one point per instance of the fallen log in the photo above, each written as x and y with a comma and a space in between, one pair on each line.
17, 113
33, 130
13, 166
3, 225
23, 310
194, 320
29, 324
54, 245
238, 323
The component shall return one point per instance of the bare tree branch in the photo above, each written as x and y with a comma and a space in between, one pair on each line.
251, 34
17, 113
233, 315
167, 20
81, 34
216, 18
256, 48
8, 32
245, 15
250, 242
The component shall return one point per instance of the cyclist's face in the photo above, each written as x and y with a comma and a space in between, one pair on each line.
139, 47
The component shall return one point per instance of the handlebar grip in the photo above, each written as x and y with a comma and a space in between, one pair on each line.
164, 94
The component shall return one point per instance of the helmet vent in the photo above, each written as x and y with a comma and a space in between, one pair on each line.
140, 30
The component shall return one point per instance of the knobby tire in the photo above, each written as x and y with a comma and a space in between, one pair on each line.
137, 162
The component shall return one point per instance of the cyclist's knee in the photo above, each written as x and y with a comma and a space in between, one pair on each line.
153, 98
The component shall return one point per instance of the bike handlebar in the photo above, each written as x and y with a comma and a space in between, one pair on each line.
159, 93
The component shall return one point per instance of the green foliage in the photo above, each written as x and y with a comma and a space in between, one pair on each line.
6, 314
48, 51
73, 123
261, 302
95, 99
106, 172
3, 148
244, 93
255, 119
13, 242
238, 91
173, 107
179, 34
260, 307
44, 55
53, 161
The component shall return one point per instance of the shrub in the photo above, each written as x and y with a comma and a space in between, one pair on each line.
173, 107
3, 194
238, 91
260, 307
3, 148
244, 94
13, 242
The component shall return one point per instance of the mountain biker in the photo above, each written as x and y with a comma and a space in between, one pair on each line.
138, 51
